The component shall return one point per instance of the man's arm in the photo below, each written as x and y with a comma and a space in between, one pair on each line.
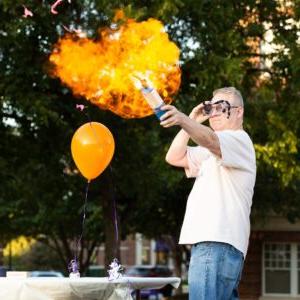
200, 134
176, 155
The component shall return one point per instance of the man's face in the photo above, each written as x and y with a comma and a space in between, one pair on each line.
219, 120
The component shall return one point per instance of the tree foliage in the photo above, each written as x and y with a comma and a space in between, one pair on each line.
221, 44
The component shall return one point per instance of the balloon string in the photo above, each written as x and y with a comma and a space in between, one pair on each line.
88, 116
115, 219
83, 221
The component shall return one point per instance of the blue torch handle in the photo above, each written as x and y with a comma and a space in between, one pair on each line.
158, 112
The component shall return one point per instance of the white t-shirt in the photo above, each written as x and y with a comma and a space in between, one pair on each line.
218, 207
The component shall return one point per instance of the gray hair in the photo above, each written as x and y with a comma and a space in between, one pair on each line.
231, 91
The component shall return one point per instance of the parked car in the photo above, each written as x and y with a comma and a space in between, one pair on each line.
152, 271
3, 271
46, 274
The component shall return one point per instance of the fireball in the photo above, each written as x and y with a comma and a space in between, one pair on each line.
102, 70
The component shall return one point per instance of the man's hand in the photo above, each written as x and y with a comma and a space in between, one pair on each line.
197, 114
171, 117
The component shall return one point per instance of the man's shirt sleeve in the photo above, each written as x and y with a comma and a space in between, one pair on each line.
237, 149
195, 156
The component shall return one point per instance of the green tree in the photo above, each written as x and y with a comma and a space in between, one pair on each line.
220, 42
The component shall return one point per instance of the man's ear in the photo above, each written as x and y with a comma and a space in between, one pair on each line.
240, 112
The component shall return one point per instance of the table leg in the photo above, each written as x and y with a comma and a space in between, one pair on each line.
138, 294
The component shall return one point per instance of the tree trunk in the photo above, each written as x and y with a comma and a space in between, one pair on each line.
177, 252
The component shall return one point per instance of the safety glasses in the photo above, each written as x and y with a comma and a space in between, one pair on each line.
217, 108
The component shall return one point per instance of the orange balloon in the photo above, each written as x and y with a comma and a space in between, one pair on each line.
92, 149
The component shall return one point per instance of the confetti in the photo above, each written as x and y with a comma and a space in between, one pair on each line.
27, 12
54, 5
66, 28
78, 32
80, 107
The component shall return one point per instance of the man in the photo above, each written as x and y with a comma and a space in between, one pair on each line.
216, 220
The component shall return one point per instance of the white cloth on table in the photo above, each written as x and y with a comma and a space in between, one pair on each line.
87, 288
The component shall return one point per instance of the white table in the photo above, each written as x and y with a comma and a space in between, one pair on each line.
87, 288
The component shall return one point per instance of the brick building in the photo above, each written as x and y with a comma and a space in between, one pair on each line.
272, 266
137, 250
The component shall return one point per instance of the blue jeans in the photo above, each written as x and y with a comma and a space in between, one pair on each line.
215, 271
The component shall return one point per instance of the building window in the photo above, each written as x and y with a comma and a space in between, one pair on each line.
146, 255
143, 250
277, 268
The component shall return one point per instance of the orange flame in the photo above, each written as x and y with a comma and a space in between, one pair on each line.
102, 71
